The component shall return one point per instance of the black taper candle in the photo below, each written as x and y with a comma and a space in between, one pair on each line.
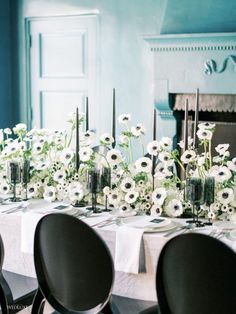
195, 141
154, 125
77, 159
114, 117
87, 114
186, 125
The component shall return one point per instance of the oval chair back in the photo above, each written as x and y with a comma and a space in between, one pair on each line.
196, 274
73, 265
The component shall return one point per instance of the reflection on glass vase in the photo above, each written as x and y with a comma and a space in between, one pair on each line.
106, 182
195, 195
14, 177
209, 195
26, 176
94, 185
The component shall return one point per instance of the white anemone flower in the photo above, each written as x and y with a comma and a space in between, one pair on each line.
143, 164
124, 139
201, 160
1, 136
114, 157
166, 143
124, 118
165, 157
174, 208
156, 210
204, 134
85, 153
4, 188
222, 173
37, 148
7, 131
127, 184
211, 214
222, 148
138, 130
162, 171
188, 156
225, 196
20, 127
49, 193
106, 190
31, 190
131, 196
206, 126
66, 156
232, 164
75, 191
87, 137
41, 165
190, 142
230, 210
153, 148
159, 195
106, 138
59, 176
114, 197
125, 207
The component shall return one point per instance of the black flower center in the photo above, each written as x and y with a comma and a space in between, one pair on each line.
131, 196
225, 195
144, 164
128, 185
176, 207
221, 173
188, 156
107, 139
158, 196
113, 157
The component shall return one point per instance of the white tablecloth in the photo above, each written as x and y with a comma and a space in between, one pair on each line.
140, 286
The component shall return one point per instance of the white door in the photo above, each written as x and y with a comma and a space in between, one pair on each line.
63, 68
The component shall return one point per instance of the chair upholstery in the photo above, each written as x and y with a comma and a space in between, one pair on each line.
16, 291
196, 274
73, 266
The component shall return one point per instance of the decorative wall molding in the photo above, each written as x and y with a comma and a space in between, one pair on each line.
211, 65
192, 42
192, 48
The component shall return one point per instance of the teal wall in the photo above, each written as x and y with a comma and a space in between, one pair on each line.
125, 58
7, 116
199, 16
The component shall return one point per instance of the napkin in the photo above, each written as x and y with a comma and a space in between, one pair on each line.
28, 225
129, 251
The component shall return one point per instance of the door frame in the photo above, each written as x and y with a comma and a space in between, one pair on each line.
27, 22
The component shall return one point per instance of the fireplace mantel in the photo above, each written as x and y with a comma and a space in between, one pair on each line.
184, 62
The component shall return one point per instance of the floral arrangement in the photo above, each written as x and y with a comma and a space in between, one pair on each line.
149, 184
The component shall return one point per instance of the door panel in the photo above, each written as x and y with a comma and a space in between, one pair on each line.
63, 68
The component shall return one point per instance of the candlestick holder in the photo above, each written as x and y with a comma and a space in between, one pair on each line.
26, 176
106, 181
195, 195
209, 195
14, 177
94, 186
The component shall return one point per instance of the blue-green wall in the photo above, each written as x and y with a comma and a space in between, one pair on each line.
125, 58
7, 115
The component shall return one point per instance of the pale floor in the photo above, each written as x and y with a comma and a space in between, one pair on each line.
47, 310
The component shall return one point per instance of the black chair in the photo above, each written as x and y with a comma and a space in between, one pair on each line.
196, 274
73, 266
16, 291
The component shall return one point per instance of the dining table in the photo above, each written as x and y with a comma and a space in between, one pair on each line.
135, 242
